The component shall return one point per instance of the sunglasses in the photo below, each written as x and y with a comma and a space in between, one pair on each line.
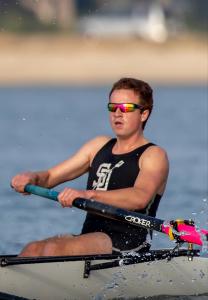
124, 107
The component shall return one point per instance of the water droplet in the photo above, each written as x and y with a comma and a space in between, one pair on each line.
204, 249
201, 274
166, 224
144, 275
121, 262
112, 285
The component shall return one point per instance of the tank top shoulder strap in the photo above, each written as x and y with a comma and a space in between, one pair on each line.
110, 143
108, 146
107, 149
142, 148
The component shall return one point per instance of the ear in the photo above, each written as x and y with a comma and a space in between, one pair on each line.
145, 115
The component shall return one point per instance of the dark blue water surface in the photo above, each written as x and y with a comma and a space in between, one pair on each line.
40, 127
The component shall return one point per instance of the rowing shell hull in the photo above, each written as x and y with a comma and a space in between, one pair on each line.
64, 280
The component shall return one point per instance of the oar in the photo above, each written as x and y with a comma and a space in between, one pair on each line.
181, 230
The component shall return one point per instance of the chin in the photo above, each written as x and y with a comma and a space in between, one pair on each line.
122, 135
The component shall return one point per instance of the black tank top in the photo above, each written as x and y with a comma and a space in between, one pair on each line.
116, 171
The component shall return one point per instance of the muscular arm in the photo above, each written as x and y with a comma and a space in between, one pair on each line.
76, 165
151, 180
71, 168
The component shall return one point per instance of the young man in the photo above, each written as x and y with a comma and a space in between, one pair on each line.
128, 172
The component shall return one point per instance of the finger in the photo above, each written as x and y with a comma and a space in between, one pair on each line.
64, 195
16, 184
62, 199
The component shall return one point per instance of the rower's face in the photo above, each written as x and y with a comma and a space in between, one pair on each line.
126, 123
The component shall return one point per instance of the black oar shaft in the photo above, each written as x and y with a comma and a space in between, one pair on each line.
187, 232
118, 214
101, 209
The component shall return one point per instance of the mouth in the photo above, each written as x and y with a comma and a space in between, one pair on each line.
118, 123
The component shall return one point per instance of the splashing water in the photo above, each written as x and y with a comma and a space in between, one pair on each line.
204, 238
204, 248
199, 224
116, 284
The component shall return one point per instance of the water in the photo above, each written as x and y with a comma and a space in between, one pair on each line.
40, 127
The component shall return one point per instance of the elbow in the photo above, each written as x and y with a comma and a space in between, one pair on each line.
140, 205
141, 200
50, 184
44, 179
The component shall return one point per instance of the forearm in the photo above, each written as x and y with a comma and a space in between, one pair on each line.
128, 198
48, 178
42, 178
19, 181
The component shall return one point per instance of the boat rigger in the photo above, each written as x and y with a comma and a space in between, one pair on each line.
159, 272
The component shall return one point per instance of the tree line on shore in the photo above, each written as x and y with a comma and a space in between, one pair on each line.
56, 16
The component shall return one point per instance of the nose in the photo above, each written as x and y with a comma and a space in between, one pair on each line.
118, 112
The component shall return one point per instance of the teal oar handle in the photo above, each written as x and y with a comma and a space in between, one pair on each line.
40, 191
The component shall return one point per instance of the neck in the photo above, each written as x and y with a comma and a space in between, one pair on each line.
128, 144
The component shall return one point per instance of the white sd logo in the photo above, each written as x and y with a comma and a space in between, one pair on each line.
137, 220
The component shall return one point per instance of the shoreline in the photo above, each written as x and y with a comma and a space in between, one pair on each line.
73, 60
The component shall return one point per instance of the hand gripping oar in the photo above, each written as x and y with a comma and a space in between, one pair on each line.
180, 230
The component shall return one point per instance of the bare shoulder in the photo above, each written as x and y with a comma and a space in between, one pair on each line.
94, 145
77, 164
100, 140
154, 155
156, 151
154, 169
97, 143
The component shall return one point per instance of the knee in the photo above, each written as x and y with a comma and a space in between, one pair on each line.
50, 248
104, 243
31, 249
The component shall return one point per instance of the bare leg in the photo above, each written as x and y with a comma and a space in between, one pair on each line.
90, 243
32, 249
